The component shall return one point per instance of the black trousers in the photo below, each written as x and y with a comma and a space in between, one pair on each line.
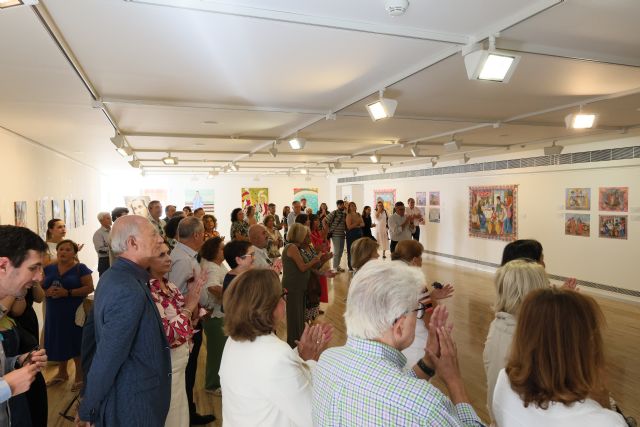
103, 265
192, 365
416, 234
392, 247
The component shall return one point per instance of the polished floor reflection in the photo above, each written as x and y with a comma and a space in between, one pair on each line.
471, 313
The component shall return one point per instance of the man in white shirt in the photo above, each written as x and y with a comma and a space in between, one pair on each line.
101, 241
184, 269
296, 210
277, 223
21, 252
417, 218
155, 210
259, 238
400, 225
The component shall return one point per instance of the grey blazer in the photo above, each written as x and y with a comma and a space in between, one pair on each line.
129, 379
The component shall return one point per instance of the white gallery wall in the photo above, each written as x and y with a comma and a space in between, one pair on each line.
541, 213
31, 172
227, 190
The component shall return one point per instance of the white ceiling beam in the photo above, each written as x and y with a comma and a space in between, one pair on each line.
197, 136
208, 106
284, 154
312, 20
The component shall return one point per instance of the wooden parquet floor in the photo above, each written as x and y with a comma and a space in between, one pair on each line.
470, 309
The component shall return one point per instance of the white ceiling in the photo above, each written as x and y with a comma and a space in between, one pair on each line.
214, 81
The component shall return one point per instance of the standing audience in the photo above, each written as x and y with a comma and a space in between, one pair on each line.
210, 227
382, 228
239, 227
250, 215
368, 224
400, 225
259, 238
169, 212
155, 211
416, 216
239, 256
275, 241
354, 225
101, 241
285, 220
363, 250
278, 225
295, 211
336, 225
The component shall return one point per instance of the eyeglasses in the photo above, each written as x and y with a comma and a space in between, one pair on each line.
252, 254
419, 312
284, 293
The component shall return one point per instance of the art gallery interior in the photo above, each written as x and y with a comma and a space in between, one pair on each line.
106, 99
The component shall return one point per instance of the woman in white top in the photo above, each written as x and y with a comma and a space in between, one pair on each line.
554, 375
212, 255
264, 382
513, 282
410, 252
382, 231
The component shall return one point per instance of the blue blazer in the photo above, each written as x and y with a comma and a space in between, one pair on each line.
129, 379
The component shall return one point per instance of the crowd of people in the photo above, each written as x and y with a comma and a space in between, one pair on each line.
164, 282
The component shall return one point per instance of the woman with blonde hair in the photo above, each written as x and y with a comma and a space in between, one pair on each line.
264, 382
554, 375
363, 250
513, 282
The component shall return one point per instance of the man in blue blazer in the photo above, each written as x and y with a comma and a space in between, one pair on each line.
129, 379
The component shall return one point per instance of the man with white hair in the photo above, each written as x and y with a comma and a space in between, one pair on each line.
259, 238
363, 382
129, 379
101, 241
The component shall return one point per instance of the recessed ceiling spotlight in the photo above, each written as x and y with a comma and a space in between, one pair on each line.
297, 143
169, 160
383, 108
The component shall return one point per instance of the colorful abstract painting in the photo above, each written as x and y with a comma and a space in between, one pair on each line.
613, 226
388, 198
493, 212
615, 199
434, 215
41, 212
434, 198
577, 199
258, 197
311, 194
200, 198
577, 224
421, 198
20, 209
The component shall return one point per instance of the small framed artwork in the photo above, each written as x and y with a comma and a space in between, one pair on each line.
55, 209
20, 209
434, 198
613, 226
77, 213
577, 199
577, 224
84, 211
41, 210
434, 215
67, 212
421, 198
614, 199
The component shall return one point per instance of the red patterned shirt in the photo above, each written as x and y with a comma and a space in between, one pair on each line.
177, 324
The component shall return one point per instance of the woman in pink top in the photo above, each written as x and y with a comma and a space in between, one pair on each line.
177, 313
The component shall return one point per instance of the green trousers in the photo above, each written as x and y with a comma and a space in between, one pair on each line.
215, 344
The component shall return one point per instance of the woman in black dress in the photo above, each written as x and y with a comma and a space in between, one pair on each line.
366, 217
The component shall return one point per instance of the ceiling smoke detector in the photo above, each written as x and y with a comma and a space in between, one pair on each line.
396, 7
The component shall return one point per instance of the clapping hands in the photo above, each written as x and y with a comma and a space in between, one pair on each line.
445, 292
314, 340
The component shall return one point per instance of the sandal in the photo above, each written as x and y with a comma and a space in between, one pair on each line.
77, 386
57, 380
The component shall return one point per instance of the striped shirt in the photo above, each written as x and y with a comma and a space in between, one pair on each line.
362, 383
336, 221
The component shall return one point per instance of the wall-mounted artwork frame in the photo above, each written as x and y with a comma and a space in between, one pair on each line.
493, 212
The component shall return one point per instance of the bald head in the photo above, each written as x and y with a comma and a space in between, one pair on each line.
258, 236
133, 237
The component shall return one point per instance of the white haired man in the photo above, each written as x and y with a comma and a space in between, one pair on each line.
101, 241
363, 382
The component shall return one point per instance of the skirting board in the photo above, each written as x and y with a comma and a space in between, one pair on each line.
608, 291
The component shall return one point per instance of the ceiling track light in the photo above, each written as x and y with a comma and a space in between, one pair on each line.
307, 178
273, 150
383, 108
553, 150
234, 167
121, 145
297, 143
489, 64
415, 151
135, 163
169, 160
383, 169
580, 120
374, 158
452, 145
434, 162
212, 174
5, 4
304, 171
355, 172
337, 164
465, 158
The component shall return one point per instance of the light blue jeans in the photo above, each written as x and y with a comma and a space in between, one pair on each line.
338, 248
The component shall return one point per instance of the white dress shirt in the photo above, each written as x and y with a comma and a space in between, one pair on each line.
261, 258
509, 411
396, 231
414, 212
265, 383
496, 350
215, 277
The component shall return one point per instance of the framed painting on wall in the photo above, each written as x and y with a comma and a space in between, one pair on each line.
421, 198
311, 194
613, 226
77, 213
20, 209
84, 212
577, 224
434, 198
577, 199
258, 197
388, 198
493, 212
67, 212
614, 199
137, 205
55, 209
201, 198
41, 211
434, 215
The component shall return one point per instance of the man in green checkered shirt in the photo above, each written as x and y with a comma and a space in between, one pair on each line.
363, 383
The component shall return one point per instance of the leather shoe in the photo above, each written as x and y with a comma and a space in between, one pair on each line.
200, 420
